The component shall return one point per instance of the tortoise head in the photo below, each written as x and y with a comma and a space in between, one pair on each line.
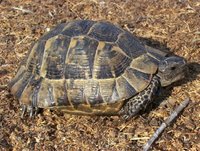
171, 69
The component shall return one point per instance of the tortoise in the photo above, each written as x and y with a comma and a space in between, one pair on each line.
90, 67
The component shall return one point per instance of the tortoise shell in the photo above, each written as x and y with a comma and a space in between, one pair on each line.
85, 67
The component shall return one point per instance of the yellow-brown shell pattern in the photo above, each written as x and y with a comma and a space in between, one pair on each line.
84, 67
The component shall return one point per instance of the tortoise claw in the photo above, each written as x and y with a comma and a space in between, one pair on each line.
125, 117
23, 108
36, 111
29, 110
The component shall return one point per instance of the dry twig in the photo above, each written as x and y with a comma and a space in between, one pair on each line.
22, 9
3, 87
166, 123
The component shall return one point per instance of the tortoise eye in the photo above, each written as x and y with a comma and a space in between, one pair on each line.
173, 68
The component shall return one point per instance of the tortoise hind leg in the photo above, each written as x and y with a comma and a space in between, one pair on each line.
29, 97
140, 101
28, 109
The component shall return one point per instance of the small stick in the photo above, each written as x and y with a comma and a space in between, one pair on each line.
138, 138
3, 87
166, 123
22, 9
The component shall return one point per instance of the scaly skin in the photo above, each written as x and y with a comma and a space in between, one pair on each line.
140, 101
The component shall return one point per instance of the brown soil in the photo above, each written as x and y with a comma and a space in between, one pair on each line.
167, 25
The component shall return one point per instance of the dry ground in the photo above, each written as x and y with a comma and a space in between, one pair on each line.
169, 25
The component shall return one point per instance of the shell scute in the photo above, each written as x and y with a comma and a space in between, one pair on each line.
138, 80
76, 28
102, 69
110, 62
104, 31
80, 58
145, 64
124, 88
54, 32
130, 45
75, 92
92, 92
107, 88
53, 59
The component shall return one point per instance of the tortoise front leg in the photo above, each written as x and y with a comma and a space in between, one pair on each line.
140, 101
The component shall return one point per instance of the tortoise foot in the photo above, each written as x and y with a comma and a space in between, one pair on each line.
29, 110
139, 102
128, 112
